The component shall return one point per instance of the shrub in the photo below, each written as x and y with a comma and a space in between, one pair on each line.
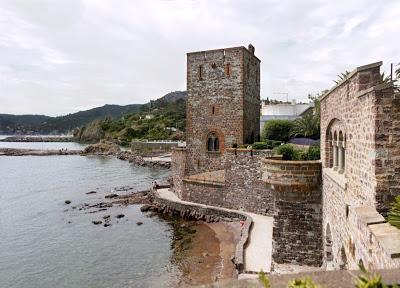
267, 144
261, 146
264, 279
302, 283
314, 153
370, 280
280, 130
394, 214
287, 151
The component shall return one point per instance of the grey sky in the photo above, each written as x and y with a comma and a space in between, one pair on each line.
58, 57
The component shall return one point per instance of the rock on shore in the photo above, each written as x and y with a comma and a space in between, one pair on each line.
102, 148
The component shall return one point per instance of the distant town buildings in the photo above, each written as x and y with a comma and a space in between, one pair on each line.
271, 110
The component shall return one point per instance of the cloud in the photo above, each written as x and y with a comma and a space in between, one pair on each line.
59, 56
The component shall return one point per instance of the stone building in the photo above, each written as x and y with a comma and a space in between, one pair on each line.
360, 147
326, 212
223, 104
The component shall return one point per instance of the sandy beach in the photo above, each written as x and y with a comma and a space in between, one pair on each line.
208, 257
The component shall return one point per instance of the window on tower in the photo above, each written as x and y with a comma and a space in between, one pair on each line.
212, 142
201, 72
228, 69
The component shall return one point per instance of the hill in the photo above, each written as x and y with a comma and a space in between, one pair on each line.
41, 124
164, 118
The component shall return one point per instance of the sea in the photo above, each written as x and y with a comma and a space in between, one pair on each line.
45, 242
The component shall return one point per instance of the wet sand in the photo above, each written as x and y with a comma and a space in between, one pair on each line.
208, 258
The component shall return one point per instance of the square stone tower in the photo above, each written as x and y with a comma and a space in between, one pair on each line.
223, 104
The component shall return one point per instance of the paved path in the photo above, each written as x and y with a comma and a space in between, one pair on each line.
159, 158
258, 253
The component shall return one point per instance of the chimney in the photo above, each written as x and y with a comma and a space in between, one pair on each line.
251, 49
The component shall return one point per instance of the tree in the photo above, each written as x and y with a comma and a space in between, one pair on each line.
307, 126
280, 130
342, 76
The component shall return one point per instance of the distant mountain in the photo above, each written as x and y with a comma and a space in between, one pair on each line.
41, 124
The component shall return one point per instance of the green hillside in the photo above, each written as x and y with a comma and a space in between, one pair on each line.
158, 120
41, 124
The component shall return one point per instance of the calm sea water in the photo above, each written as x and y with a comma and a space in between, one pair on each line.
43, 245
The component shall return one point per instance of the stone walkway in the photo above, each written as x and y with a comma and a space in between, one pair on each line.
258, 253
159, 158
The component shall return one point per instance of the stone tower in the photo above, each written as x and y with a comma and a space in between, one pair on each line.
223, 105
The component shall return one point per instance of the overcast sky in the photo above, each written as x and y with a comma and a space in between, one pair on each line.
59, 57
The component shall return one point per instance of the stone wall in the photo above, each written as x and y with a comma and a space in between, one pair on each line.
241, 187
150, 148
244, 187
387, 146
216, 103
297, 232
251, 98
376, 244
365, 114
178, 169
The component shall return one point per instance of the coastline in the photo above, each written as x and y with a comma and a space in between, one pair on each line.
206, 259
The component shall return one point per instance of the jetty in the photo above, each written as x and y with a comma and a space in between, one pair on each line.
38, 139
37, 152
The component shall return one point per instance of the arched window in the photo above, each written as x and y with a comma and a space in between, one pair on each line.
212, 142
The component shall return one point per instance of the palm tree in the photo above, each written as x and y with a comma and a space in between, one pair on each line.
342, 76
307, 126
398, 71
384, 79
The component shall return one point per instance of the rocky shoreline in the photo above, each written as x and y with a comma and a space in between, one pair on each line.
100, 149
203, 246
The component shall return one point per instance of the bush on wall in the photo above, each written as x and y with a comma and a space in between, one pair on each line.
267, 144
289, 152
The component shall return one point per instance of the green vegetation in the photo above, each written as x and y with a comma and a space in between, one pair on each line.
289, 152
370, 280
342, 76
394, 214
365, 280
302, 283
163, 119
267, 144
40, 124
278, 130
264, 279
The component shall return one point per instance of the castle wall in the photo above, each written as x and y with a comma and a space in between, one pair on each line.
178, 169
380, 240
245, 189
387, 147
239, 186
362, 111
251, 98
297, 232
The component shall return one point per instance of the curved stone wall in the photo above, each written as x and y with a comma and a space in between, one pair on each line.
297, 232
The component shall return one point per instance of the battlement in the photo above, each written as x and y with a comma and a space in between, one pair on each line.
221, 53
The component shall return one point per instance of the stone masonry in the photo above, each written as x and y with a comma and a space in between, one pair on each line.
223, 99
326, 212
297, 233
360, 145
